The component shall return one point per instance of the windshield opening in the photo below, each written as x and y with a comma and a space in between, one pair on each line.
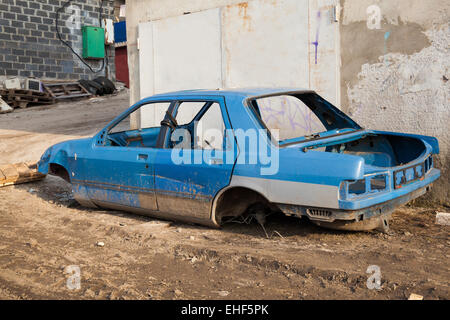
300, 116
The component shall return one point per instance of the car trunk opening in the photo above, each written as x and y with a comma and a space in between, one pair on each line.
381, 150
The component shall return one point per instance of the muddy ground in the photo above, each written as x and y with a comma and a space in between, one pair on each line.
43, 231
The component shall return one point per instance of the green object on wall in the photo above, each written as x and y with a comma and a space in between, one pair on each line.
93, 42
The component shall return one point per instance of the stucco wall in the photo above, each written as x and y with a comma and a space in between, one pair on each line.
395, 70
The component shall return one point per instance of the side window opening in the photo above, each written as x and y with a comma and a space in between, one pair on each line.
210, 129
140, 128
196, 130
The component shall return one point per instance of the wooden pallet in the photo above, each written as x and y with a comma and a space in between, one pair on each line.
19, 173
22, 98
66, 90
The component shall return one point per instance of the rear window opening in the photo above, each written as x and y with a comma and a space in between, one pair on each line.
302, 116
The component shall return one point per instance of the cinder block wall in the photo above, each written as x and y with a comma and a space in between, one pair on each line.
395, 69
29, 46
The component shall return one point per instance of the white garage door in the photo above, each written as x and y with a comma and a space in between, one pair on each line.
255, 43
180, 53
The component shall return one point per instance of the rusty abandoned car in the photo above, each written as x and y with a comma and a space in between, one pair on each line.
206, 156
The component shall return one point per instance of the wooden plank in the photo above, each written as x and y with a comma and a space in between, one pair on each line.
66, 90
10, 172
17, 173
23, 104
14, 92
75, 96
27, 96
49, 91
84, 89
21, 98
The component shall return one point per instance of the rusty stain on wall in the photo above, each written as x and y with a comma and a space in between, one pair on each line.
246, 19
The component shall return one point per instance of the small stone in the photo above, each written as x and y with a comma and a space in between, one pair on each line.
191, 238
223, 293
178, 292
100, 244
31, 190
443, 218
414, 296
89, 293
32, 243
408, 234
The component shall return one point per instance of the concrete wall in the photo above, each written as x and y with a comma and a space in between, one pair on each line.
395, 68
263, 42
29, 46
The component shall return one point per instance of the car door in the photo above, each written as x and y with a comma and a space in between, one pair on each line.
118, 171
118, 177
189, 174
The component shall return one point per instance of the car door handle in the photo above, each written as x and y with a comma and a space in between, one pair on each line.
215, 161
142, 156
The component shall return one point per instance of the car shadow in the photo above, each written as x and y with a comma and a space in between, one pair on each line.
278, 225
57, 191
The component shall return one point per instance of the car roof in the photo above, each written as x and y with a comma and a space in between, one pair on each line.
243, 92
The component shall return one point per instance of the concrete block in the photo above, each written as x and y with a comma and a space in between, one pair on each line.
443, 218
4, 107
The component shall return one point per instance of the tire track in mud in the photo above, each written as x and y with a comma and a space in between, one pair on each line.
325, 278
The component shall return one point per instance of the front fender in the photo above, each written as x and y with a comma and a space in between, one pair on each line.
53, 155
62, 153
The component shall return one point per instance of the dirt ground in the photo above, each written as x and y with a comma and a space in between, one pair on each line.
43, 231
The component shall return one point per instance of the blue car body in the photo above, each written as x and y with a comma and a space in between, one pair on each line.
346, 178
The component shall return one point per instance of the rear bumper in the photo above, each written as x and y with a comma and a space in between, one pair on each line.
391, 194
379, 209
384, 208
